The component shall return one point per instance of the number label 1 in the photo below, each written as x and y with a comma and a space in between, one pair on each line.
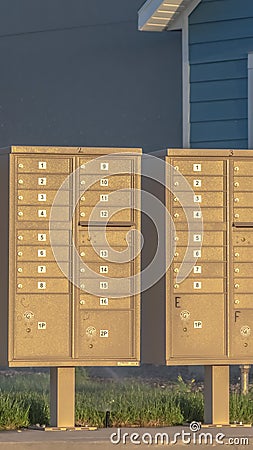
42, 165
197, 167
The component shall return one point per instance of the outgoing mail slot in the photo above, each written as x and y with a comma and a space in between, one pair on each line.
197, 183
43, 181
41, 197
88, 253
106, 165
48, 285
107, 198
104, 302
242, 254
199, 285
43, 165
96, 286
105, 213
106, 334
199, 167
42, 253
36, 237
115, 237
204, 270
102, 183
243, 285
42, 213
197, 323
107, 269
243, 215
241, 331
204, 254
243, 168
243, 184
201, 198
43, 270
194, 215
206, 238
243, 270
31, 340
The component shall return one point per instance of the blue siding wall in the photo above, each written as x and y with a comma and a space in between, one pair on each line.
220, 38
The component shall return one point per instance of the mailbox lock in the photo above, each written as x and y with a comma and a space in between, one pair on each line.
82, 182
237, 302
20, 269
236, 168
175, 199
184, 329
176, 238
82, 166
237, 286
245, 344
176, 286
83, 198
176, 183
20, 253
237, 255
176, 215
82, 302
176, 254
82, 214
82, 286
20, 286
82, 270
91, 345
236, 200
236, 216
20, 181
176, 168
20, 213
28, 330
236, 270
236, 184
176, 270
20, 238
20, 197
82, 253
21, 165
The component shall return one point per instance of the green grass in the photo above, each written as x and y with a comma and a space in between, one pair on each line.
24, 401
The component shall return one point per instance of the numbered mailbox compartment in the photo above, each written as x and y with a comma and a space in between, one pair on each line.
43, 253
242, 254
207, 238
199, 167
106, 334
102, 285
44, 270
200, 284
204, 254
198, 183
34, 237
242, 184
242, 301
243, 168
37, 286
210, 199
103, 183
104, 302
244, 199
205, 270
116, 236
103, 254
112, 270
44, 165
41, 212
106, 165
243, 215
242, 285
121, 198
243, 270
197, 323
36, 329
241, 333
41, 197
45, 181
106, 213
195, 215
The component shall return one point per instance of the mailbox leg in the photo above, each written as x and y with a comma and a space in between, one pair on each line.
216, 395
62, 397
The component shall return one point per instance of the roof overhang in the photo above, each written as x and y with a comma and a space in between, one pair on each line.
158, 15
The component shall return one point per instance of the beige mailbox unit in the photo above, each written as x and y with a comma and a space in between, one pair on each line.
207, 318
46, 320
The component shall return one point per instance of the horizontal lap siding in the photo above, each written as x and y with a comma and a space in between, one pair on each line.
220, 38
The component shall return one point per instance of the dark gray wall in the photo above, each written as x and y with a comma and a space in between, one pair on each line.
79, 73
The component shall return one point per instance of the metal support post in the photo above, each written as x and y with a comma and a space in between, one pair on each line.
62, 397
216, 395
